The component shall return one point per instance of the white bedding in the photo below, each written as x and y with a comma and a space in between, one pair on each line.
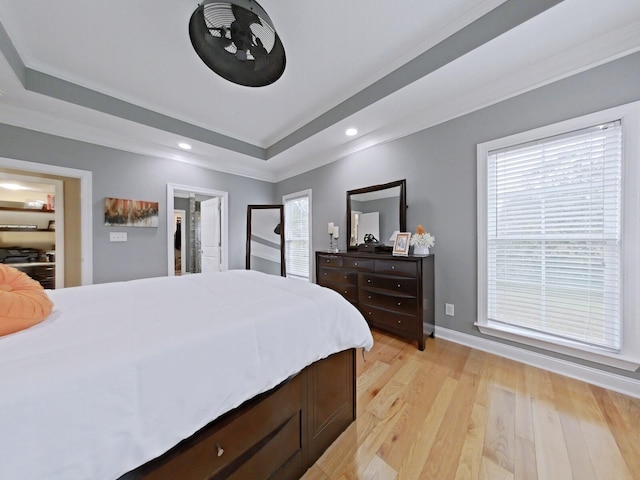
121, 372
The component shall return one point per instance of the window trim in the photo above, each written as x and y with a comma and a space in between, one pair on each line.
292, 196
629, 356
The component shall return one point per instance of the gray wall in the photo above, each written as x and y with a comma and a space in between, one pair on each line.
439, 165
126, 175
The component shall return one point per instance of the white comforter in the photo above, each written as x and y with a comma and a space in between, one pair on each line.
121, 372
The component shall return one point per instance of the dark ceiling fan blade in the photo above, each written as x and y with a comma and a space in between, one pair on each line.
244, 16
237, 43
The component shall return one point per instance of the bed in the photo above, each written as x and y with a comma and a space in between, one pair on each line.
199, 376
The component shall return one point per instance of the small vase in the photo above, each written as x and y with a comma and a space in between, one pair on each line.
420, 250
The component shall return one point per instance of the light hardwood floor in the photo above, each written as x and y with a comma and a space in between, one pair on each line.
452, 412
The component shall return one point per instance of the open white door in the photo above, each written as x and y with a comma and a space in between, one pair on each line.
210, 235
368, 223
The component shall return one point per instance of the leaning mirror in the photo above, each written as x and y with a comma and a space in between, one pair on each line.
378, 210
265, 239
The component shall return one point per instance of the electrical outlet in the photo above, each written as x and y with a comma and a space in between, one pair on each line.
448, 309
117, 236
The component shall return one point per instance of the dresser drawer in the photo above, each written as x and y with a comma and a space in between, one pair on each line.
329, 277
405, 285
360, 264
221, 452
329, 260
350, 292
407, 269
390, 302
387, 320
41, 272
284, 444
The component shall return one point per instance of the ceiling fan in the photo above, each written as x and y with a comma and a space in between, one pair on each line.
237, 40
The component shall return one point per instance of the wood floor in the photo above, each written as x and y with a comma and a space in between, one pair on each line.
452, 412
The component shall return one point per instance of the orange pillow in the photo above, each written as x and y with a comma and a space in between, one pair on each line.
23, 302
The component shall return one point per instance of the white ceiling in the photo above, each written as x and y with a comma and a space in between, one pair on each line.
139, 52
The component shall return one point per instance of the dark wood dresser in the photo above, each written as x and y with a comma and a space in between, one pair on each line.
395, 294
43, 272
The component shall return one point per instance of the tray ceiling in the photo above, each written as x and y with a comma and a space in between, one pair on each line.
124, 74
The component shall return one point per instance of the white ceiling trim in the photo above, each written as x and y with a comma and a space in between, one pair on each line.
474, 35
583, 57
227, 161
579, 59
471, 15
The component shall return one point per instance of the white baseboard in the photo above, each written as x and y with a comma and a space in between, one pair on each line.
611, 381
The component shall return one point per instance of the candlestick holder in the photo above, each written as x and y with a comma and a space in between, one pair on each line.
333, 244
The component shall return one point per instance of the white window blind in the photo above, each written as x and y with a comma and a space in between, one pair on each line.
297, 244
553, 236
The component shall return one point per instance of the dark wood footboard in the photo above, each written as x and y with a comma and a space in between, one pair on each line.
276, 435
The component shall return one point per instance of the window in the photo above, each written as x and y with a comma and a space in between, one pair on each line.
552, 265
297, 231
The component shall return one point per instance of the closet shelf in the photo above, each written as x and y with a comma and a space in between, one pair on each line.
26, 230
30, 210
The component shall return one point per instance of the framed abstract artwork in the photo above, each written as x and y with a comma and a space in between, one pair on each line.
130, 213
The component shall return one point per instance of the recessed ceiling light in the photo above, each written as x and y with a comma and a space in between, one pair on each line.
184, 146
351, 132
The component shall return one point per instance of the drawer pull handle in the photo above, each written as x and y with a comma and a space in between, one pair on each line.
369, 313
399, 303
399, 322
220, 450
399, 285
325, 274
369, 281
345, 292
369, 296
345, 276
393, 267
356, 264
328, 261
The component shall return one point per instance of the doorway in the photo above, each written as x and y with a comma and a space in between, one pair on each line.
32, 225
179, 244
203, 229
76, 248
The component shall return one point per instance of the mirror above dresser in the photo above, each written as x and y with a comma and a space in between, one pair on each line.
378, 210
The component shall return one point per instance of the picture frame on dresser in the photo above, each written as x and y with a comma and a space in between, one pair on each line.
401, 244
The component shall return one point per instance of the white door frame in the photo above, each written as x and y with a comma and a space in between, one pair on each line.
86, 214
224, 221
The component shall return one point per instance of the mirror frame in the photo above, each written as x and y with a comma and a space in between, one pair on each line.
402, 214
250, 208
